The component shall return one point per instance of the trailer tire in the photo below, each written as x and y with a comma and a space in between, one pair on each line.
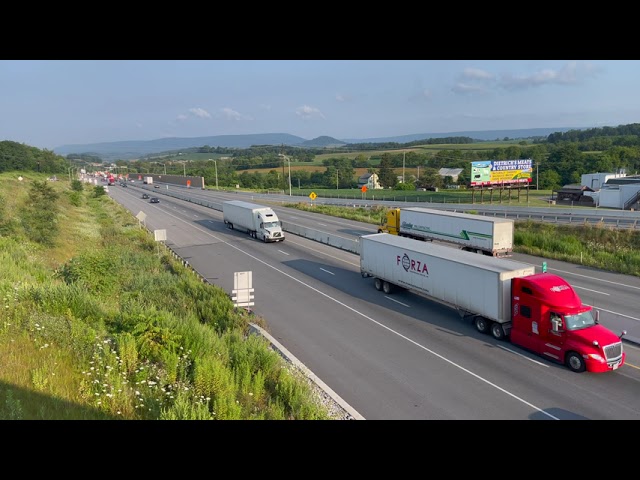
575, 362
378, 284
387, 288
481, 324
497, 331
230, 226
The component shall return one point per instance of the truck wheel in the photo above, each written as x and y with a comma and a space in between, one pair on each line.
575, 362
481, 325
230, 226
364, 274
378, 284
387, 287
497, 331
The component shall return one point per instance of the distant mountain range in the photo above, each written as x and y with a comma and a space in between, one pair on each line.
132, 149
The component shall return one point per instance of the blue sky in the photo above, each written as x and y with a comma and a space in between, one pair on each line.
50, 103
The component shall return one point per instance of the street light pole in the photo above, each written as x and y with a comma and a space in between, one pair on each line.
403, 155
289, 160
215, 162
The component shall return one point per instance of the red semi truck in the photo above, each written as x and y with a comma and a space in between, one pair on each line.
539, 312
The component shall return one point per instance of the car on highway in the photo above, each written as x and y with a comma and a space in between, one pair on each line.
144, 195
154, 200
156, 186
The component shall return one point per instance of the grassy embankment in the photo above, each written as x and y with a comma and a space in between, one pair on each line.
596, 246
96, 324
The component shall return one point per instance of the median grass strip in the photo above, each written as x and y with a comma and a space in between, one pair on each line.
96, 325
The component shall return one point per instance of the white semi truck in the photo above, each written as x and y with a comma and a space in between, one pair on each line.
540, 312
257, 220
474, 233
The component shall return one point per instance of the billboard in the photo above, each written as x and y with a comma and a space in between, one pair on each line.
501, 172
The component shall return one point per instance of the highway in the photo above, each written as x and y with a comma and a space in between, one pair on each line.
614, 295
390, 357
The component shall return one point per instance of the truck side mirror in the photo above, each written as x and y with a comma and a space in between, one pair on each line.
597, 316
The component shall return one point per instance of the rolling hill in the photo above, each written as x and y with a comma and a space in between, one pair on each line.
127, 150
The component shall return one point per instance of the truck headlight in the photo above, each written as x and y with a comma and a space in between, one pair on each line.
597, 357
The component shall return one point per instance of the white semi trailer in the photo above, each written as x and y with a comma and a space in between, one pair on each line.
257, 220
540, 312
475, 233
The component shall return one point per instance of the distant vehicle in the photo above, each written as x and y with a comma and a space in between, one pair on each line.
144, 195
156, 186
106, 188
148, 180
154, 200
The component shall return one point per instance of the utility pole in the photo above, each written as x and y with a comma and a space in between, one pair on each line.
537, 164
403, 155
336, 179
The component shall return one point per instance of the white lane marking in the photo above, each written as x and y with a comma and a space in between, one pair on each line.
283, 252
594, 291
397, 301
327, 271
335, 300
323, 224
523, 356
592, 278
615, 313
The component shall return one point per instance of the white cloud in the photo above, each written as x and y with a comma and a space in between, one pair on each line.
181, 117
199, 112
231, 114
477, 74
308, 112
572, 73
465, 88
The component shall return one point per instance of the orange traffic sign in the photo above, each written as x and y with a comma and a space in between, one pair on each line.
364, 188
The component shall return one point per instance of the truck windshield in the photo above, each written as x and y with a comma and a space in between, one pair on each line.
579, 321
271, 224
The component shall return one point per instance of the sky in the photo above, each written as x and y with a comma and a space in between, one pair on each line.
51, 103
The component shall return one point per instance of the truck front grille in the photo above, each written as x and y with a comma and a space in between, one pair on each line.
613, 351
277, 234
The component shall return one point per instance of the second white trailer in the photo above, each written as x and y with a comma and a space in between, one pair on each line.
472, 283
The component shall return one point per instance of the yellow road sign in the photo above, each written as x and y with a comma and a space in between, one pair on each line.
313, 196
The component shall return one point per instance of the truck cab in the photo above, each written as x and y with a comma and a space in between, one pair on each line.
391, 222
549, 318
269, 227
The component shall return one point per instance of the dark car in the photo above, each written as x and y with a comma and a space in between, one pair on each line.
154, 200
144, 195
156, 186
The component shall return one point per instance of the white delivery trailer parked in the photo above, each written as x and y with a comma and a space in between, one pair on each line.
257, 220
476, 233
471, 283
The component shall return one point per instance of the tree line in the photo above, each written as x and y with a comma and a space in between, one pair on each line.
559, 160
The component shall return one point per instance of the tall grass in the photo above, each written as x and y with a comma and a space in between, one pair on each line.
95, 325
